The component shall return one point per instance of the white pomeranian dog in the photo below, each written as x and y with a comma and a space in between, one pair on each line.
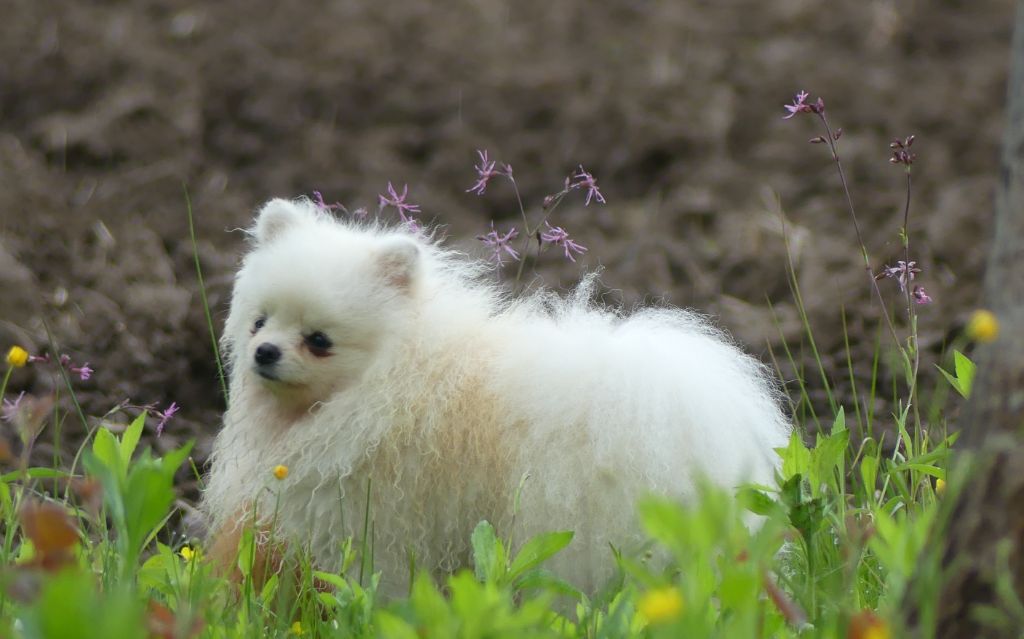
364, 356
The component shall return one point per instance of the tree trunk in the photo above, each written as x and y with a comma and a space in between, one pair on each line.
982, 587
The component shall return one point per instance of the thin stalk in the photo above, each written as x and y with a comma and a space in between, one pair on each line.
202, 295
860, 236
911, 313
529, 233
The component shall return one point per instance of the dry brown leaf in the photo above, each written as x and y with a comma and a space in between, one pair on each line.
49, 526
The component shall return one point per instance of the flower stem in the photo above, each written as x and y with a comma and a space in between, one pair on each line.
860, 237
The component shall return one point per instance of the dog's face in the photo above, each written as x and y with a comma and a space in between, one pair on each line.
315, 302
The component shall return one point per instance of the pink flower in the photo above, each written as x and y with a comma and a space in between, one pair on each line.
485, 171
165, 416
587, 181
558, 236
83, 371
318, 200
499, 243
920, 296
903, 273
800, 105
10, 408
398, 201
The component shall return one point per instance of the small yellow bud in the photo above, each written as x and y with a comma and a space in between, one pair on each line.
187, 553
661, 605
983, 326
940, 486
17, 356
297, 626
280, 471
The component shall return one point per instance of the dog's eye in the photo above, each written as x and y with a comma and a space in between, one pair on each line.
318, 343
259, 324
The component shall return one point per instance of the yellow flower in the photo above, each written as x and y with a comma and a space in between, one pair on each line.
661, 605
187, 553
280, 471
297, 626
983, 326
940, 486
867, 625
17, 356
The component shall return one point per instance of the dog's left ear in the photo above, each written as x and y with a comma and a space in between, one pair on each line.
274, 217
398, 260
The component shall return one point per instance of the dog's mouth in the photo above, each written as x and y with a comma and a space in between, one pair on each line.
267, 374
273, 380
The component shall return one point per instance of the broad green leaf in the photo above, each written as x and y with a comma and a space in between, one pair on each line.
107, 450
829, 455
485, 552
391, 625
542, 579
869, 473
329, 577
756, 501
130, 439
965, 370
796, 458
537, 550
148, 495
953, 381
429, 605
839, 424
173, 460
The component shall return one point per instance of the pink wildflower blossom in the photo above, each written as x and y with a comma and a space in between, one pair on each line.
165, 416
485, 171
398, 201
559, 237
499, 244
920, 296
586, 180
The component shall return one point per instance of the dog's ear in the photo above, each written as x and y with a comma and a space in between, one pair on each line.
274, 217
398, 260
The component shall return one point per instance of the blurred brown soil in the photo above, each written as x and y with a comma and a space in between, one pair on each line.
109, 109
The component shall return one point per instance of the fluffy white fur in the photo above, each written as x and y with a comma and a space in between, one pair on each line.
445, 393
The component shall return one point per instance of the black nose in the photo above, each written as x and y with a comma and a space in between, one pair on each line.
267, 353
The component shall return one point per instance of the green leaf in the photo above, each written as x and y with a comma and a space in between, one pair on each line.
542, 579
172, 461
130, 439
829, 455
486, 549
839, 424
430, 606
965, 370
33, 473
756, 501
869, 473
329, 577
537, 550
796, 458
148, 495
107, 451
951, 379
391, 625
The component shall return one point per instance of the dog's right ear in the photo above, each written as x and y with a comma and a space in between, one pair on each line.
276, 216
